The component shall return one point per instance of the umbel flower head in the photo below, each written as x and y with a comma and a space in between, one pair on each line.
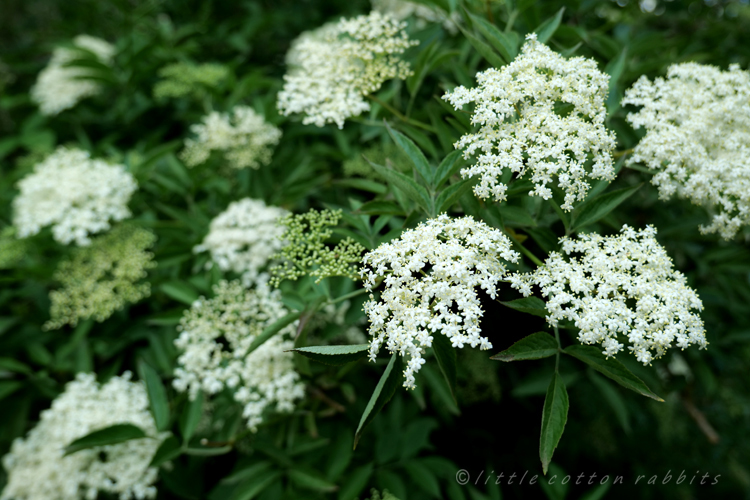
243, 238
431, 273
215, 337
621, 286
334, 67
61, 85
75, 194
541, 114
244, 138
697, 141
37, 469
99, 279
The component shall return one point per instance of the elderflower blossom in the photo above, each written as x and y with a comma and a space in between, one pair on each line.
243, 238
244, 137
403, 9
73, 193
335, 66
305, 251
619, 286
697, 123
99, 279
215, 336
60, 86
541, 113
431, 274
37, 469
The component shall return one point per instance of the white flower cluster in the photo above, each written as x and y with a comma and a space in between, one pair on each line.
215, 336
59, 86
541, 113
698, 139
245, 139
37, 469
430, 276
621, 285
335, 66
243, 238
403, 9
75, 194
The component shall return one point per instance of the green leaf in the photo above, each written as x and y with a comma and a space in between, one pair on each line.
614, 399
9, 387
115, 434
157, 397
363, 184
484, 50
529, 305
208, 452
446, 357
180, 291
272, 330
599, 206
447, 168
168, 450
499, 40
355, 483
380, 207
413, 152
554, 416
311, 482
406, 184
383, 392
535, 346
14, 365
611, 368
334, 355
191, 416
423, 477
545, 30
452, 194
251, 488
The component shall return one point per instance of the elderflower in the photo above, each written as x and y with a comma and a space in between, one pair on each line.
431, 274
215, 336
334, 67
306, 253
243, 238
185, 79
541, 113
402, 9
697, 123
73, 193
244, 137
37, 469
99, 279
619, 286
61, 85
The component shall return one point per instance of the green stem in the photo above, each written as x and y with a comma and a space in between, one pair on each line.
346, 296
525, 250
563, 217
400, 115
624, 152
559, 349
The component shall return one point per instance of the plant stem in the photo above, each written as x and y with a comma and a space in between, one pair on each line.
624, 152
559, 349
524, 250
400, 115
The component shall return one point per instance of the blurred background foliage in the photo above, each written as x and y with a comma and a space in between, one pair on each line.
416, 445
